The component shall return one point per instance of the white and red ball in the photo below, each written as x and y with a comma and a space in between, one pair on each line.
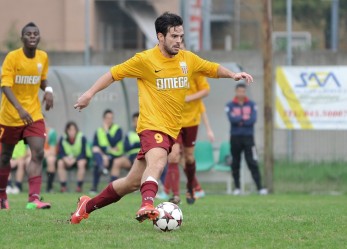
170, 217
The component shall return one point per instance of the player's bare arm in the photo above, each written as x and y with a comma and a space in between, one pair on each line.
223, 72
48, 96
198, 95
102, 83
23, 114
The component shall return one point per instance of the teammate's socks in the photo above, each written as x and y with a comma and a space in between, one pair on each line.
106, 197
34, 188
4, 173
190, 172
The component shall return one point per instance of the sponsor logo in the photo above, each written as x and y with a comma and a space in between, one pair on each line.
39, 67
23, 79
184, 67
172, 83
318, 79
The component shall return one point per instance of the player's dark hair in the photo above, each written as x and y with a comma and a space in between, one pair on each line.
240, 85
135, 115
30, 24
166, 21
107, 111
69, 124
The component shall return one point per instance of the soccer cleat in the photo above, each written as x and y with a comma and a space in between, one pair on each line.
162, 196
38, 204
80, 213
237, 191
63, 189
175, 200
190, 197
147, 212
4, 204
78, 189
200, 194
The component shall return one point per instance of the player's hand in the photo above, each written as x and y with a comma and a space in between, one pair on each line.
210, 136
25, 116
245, 76
83, 101
48, 98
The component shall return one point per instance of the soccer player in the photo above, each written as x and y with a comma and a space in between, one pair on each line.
163, 75
108, 150
24, 72
73, 150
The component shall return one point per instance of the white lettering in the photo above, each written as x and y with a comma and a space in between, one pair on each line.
23, 79
172, 83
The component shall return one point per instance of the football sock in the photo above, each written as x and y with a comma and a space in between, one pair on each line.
149, 190
34, 188
113, 178
4, 173
80, 184
9, 183
190, 173
96, 177
175, 178
167, 181
19, 186
63, 184
50, 179
106, 197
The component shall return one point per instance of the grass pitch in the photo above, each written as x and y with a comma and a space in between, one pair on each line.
217, 221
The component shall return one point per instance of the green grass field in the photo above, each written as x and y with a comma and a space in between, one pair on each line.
217, 221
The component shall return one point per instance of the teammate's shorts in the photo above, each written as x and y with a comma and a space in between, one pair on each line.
13, 134
189, 135
154, 139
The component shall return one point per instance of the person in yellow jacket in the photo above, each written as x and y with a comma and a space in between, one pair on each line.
108, 150
72, 152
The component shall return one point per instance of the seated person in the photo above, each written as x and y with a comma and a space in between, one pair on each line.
72, 152
108, 150
132, 141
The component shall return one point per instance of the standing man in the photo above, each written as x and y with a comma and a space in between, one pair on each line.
242, 114
163, 75
24, 72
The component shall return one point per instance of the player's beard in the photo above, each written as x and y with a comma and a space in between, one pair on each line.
169, 50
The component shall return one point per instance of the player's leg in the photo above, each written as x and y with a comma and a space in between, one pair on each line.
51, 164
81, 170
5, 169
189, 135
34, 171
236, 150
19, 174
99, 162
252, 160
172, 178
111, 194
118, 164
62, 174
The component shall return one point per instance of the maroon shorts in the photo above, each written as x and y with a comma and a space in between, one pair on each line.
154, 139
189, 135
13, 134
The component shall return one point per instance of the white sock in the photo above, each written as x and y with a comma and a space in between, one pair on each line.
151, 179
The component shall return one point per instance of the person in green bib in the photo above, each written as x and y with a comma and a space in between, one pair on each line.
132, 144
108, 150
72, 152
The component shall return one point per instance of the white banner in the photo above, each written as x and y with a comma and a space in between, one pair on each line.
311, 98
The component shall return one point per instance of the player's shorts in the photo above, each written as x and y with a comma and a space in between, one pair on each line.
13, 134
154, 139
189, 135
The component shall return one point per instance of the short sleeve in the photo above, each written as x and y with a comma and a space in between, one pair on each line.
45, 68
8, 71
204, 67
132, 68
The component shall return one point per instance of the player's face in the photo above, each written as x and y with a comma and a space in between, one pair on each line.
72, 131
241, 92
108, 119
173, 39
31, 37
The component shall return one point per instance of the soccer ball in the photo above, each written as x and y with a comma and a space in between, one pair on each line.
170, 217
